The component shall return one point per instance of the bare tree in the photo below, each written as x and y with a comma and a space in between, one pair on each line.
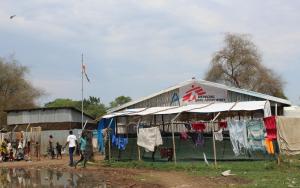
15, 91
238, 64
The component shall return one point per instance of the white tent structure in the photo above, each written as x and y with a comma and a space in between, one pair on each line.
214, 107
197, 108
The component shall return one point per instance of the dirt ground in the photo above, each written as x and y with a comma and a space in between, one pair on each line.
131, 178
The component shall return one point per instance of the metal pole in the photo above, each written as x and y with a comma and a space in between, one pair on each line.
82, 90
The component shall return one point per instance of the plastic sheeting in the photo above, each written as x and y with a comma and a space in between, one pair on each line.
104, 123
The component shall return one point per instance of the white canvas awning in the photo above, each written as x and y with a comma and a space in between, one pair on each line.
215, 107
123, 113
182, 109
152, 110
198, 108
236, 106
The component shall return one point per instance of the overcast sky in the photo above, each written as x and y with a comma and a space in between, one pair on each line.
136, 48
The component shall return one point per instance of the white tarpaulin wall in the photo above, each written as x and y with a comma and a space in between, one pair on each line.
198, 108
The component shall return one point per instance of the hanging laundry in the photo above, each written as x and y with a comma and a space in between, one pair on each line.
288, 138
269, 146
238, 136
256, 134
270, 125
223, 124
219, 135
120, 142
199, 127
166, 153
197, 138
183, 136
148, 138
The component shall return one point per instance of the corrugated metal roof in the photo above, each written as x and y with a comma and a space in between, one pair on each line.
48, 108
204, 82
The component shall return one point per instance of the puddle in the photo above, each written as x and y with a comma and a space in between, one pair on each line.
21, 177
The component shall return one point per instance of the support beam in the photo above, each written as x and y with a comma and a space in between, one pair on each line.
173, 137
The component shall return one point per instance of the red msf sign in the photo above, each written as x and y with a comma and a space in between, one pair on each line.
192, 94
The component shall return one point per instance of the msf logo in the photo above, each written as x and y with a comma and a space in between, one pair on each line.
192, 94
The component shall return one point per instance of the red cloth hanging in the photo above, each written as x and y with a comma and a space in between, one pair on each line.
199, 127
183, 136
223, 124
270, 124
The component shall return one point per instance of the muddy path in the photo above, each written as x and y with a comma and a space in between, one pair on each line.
100, 176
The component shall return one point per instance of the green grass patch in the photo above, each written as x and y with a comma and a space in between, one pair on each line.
260, 173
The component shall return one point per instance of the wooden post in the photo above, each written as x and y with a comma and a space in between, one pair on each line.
213, 135
214, 147
174, 149
139, 152
109, 155
173, 137
108, 131
138, 147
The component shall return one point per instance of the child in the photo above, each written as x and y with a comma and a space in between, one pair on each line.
58, 150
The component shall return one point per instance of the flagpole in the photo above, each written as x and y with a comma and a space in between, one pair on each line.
82, 91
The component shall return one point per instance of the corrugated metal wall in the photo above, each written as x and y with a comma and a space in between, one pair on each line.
44, 116
164, 99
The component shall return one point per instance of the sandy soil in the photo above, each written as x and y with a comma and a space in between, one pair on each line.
120, 177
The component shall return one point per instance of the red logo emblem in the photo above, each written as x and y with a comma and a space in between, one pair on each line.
192, 94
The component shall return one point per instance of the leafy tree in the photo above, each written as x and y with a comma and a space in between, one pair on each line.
119, 101
61, 103
238, 64
91, 106
16, 92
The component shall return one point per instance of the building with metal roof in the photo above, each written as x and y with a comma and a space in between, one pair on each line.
202, 91
51, 118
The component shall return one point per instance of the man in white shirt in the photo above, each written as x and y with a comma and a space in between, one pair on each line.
72, 141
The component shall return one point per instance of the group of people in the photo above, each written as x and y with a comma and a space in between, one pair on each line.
11, 151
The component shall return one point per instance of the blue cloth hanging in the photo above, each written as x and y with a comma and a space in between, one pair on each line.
120, 142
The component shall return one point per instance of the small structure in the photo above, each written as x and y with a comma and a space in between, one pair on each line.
56, 121
58, 118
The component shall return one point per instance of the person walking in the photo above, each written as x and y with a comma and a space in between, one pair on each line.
58, 150
51, 147
72, 141
83, 150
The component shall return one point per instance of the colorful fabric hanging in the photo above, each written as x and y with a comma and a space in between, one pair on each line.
270, 125
183, 136
223, 124
256, 135
199, 127
269, 146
